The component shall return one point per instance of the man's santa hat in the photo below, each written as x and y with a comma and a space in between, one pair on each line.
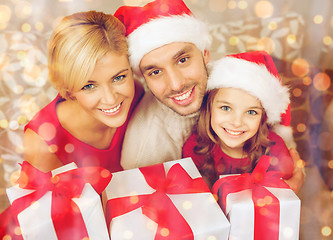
255, 73
158, 23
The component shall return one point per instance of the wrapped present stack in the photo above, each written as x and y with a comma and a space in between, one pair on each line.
259, 205
62, 204
163, 201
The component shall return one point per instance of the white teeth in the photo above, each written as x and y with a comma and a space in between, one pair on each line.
184, 96
111, 110
233, 133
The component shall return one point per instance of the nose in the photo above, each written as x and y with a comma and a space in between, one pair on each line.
237, 119
108, 95
176, 79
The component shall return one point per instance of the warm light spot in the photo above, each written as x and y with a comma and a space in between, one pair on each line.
23, 9
307, 81
128, 234
13, 125
297, 92
24, 178
151, 225
261, 202
288, 232
321, 81
218, 5
5, 14
7, 237
232, 4
64, 0
85, 238
233, 41
211, 238
105, 173
165, 232
39, 26
55, 179
274, 161
263, 211
53, 148
267, 44
330, 164
318, 19
327, 40
300, 67
272, 26
291, 39
134, 199
301, 127
18, 89
22, 120
326, 231
242, 5
268, 199
3, 123
187, 205
47, 131
300, 164
264, 9
13, 177
26, 27
69, 148
17, 231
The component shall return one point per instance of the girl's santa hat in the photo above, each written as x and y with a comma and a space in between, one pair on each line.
255, 73
158, 23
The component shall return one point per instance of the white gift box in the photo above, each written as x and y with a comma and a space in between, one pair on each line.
200, 210
36, 222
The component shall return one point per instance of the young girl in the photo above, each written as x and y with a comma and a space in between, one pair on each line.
88, 65
244, 101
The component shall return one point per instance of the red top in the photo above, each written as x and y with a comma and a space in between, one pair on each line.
71, 149
225, 164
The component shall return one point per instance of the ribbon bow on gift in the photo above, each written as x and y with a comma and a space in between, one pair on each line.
66, 216
158, 206
266, 205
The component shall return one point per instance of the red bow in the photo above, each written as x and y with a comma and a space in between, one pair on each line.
266, 205
66, 216
158, 206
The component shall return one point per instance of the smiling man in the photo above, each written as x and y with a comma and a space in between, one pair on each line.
168, 46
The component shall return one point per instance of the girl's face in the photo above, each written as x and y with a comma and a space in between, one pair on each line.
235, 118
109, 92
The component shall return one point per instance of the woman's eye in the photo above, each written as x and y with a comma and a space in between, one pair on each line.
88, 87
252, 112
119, 78
226, 108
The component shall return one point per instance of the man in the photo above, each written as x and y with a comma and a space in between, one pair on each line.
168, 46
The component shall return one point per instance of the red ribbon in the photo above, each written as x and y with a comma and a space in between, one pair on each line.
266, 205
158, 206
65, 214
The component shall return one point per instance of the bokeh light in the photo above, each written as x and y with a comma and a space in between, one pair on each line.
39, 26
164, 232
307, 81
326, 231
233, 41
297, 92
272, 26
301, 127
211, 238
23, 9
318, 19
264, 9
266, 44
291, 39
242, 5
26, 27
327, 40
5, 14
217, 5
300, 67
187, 205
321, 81
330, 164
128, 234
69, 148
47, 131
232, 4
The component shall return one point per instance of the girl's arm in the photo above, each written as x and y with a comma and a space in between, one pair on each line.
37, 152
296, 181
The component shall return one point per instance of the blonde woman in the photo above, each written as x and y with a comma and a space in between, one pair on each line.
88, 65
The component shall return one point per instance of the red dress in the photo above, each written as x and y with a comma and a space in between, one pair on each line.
225, 164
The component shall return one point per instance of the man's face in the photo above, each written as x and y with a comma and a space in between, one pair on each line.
177, 76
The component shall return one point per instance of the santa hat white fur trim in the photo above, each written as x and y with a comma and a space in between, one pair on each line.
256, 80
286, 132
164, 30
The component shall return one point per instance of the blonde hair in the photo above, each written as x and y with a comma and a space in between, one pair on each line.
77, 43
254, 147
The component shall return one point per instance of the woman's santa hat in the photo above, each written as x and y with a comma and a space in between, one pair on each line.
255, 73
158, 23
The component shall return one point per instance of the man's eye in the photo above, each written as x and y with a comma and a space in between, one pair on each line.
88, 87
226, 108
119, 78
252, 112
155, 72
183, 60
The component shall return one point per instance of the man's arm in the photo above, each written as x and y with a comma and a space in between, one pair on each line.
297, 180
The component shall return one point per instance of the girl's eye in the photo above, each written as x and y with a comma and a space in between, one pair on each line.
252, 112
119, 78
183, 60
88, 87
225, 108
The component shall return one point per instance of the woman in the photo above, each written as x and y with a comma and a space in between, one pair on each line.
88, 65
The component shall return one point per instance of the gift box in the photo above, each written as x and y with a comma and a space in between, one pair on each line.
62, 204
163, 201
259, 205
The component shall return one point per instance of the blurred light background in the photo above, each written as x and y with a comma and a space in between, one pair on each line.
297, 33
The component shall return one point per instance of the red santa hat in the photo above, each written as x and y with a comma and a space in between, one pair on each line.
256, 73
158, 23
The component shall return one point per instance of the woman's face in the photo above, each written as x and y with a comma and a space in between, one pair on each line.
235, 118
108, 94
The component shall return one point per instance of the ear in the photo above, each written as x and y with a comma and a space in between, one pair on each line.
206, 56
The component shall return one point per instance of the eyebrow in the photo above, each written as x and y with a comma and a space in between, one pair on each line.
228, 103
118, 73
182, 51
